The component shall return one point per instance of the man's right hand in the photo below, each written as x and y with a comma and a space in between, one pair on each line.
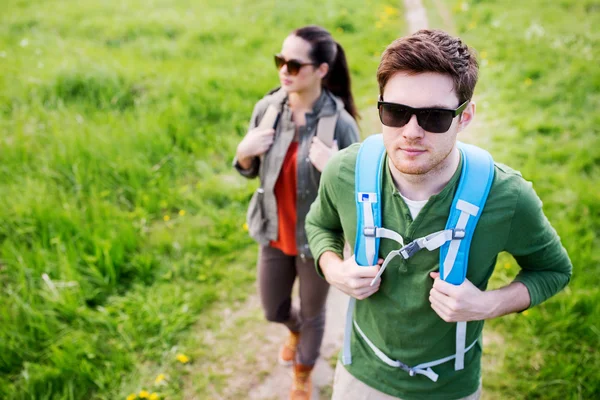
348, 276
256, 142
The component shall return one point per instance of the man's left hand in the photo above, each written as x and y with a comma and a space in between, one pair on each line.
453, 303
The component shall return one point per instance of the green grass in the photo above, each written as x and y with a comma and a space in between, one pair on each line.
539, 95
121, 217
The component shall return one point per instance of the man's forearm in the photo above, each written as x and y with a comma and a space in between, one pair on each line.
506, 300
328, 260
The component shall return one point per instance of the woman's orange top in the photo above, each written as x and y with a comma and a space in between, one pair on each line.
285, 194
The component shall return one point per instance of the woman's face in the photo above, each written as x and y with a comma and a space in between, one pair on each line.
309, 77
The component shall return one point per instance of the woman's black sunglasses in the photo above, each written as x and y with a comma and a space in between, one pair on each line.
436, 120
293, 66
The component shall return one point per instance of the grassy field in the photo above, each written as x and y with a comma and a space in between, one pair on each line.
122, 222
121, 219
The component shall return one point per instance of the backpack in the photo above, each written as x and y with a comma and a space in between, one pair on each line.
454, 241
325, 126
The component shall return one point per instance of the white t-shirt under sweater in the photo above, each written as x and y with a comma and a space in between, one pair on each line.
414, 205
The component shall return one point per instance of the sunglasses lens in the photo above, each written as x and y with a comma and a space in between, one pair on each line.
293, 67
279, 62
393, 115
435, 121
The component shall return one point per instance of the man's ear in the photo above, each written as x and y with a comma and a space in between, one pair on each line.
322, 70
467, 116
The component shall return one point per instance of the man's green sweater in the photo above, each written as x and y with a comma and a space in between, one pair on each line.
398, 318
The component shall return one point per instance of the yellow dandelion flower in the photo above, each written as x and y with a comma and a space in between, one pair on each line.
528, 82
182, 358
132, 396
160, 378
340, 30
390, 11
154, 396
166, 218
483, 55
245, 227
144, 394
182, 212
525, 313
472, 25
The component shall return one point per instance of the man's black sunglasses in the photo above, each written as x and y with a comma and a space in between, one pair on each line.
293, 66
436, 120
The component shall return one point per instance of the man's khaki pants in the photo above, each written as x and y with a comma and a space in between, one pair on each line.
347, 387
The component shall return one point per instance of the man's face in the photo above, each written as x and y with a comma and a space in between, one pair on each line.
411, 149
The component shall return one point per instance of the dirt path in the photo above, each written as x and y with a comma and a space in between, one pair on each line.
277, 384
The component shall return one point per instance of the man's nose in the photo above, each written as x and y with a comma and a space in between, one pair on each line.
412, 130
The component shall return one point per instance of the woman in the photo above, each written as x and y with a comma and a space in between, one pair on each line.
287, 146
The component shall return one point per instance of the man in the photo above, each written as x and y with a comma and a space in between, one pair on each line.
409, 314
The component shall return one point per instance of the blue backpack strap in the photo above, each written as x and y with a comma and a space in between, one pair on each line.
476, 180
367, 192
367, 188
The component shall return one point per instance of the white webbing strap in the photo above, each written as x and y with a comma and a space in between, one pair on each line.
389, 234
430, 242
346, 352
436, 240
441, 360
421, 369
367, 199
377, 352
369, 222
461, 338
387, 260
466, 210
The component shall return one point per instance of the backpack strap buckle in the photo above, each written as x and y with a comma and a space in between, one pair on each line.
410, 249
458, 234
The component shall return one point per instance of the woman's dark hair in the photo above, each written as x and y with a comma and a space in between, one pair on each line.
324, 49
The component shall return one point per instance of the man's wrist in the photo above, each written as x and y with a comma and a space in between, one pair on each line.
490, 303
327, 262
506, 300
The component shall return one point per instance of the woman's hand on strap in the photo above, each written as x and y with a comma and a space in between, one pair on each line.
256, 142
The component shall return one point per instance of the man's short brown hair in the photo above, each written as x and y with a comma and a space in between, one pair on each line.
431, 51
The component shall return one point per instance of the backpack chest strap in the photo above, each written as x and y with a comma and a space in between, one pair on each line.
430, 242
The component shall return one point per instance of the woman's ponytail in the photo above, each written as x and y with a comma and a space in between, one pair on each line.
326, 50
337, 81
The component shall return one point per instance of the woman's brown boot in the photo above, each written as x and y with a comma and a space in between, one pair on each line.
301, 385
287, 352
